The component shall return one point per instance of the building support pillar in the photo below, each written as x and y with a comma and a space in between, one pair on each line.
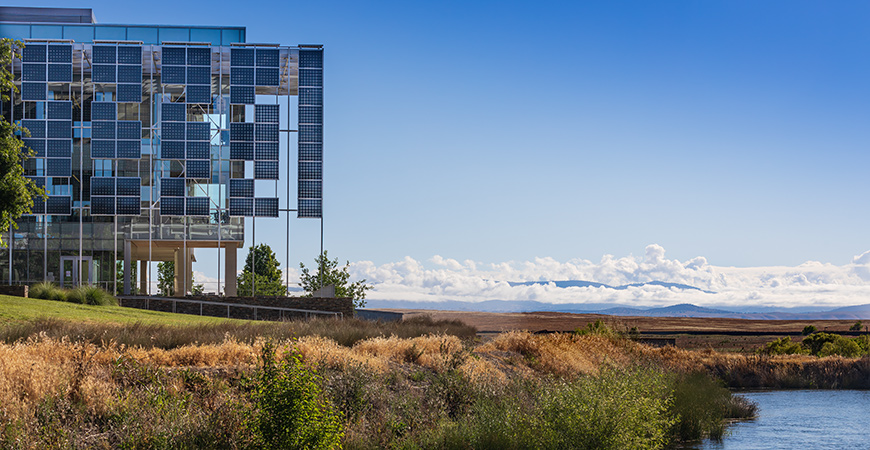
188, 271
230, 271
143, 277
179, 285
128, 266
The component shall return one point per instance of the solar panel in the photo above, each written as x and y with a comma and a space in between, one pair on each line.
104, 54
36, 127
198, 150
310, 114
241, 151
267, 132
199, 56
128, 206
311, 58
310, 189
175, 112
172, 75
241, 132
102, 206
102, 149
58, 167
267, 76
198, 94
311, 96
310, 77
173, 131
310, 170
174, 55
267, 57
130, 93
103, 129
310, 151
199, 75
241, 187
103, 111
130, 74
103, 73
60, 73
58, 205
172, 150
242, 95
129, 129
38, 181
242, 76
60, 110
34, 53
129, 55
59, 129
102, 186
129, 150
172, 187
310, 133
266, 151
266, 170
59, 53
197, 206
198, 169
33, 72
129, 186
241, 207
35, 91
37, 145
266, 207
266, 113
241, 57
198, 131
38, 205
309, 208
59, 148
171, 206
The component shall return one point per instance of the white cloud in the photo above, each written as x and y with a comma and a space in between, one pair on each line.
809, 284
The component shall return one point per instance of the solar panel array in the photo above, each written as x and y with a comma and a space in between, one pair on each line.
310, 136
115, 196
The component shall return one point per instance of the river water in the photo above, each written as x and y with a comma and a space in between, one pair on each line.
802, 419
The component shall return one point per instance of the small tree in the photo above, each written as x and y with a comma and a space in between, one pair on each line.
16, 191
857, 327
332, 275
119, 273
261, 275
166, 278
808, 330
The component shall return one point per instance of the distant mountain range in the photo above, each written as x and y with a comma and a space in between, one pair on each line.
580, 283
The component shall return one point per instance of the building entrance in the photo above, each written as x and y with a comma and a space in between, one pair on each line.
71, 267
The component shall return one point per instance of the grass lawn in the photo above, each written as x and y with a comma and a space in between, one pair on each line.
17, 309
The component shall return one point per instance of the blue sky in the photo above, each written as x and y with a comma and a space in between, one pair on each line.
508, 131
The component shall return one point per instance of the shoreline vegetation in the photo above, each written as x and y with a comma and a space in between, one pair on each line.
354, 384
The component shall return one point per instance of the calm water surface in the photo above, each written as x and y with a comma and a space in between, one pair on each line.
803, 419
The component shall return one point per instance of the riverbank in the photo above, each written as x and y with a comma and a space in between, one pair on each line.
68, 389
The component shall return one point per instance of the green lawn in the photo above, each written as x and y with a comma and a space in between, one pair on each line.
16, 309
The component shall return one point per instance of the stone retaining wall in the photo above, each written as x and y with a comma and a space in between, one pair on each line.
17, 290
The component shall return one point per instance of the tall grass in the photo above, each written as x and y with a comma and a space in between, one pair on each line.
47, 291
83, 295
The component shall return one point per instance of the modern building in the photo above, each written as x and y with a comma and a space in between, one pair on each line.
153, 141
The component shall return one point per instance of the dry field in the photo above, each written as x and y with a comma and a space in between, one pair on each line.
489, 324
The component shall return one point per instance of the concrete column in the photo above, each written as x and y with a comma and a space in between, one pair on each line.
178, 285
128, 266
143, 277
230, 271
188, 270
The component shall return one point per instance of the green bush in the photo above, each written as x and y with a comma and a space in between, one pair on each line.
47, 291
783, 346
841, 346
597, 328
857, 326
290, 412
808, 330
91, 295
700, 406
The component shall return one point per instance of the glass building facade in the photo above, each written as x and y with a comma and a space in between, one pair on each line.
152, 141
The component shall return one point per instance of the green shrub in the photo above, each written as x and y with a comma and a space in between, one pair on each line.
783, 346
857, 326
598, 328
808, 330
91, 295
841, 346
290, 412
700, 404
47, 291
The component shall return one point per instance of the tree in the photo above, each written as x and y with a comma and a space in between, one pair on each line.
808, 330
857, 327
332, 275
166, 278
119, 273
16, 191
261, 275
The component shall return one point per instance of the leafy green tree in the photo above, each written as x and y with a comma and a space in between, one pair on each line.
166, 278
134, 275
857, 326
332, 275
261, 275
808, 330
16, 191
